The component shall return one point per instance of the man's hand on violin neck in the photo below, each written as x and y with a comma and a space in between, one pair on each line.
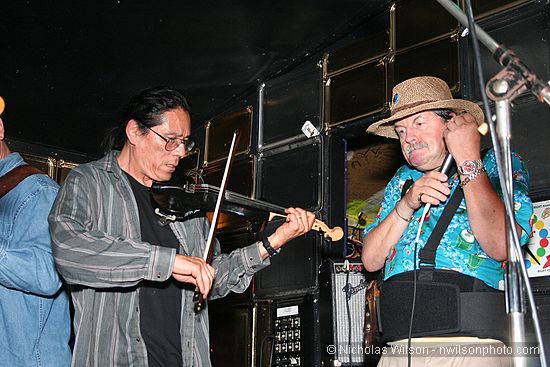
194, 270
298, 222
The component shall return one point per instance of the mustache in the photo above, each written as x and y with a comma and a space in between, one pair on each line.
416, 146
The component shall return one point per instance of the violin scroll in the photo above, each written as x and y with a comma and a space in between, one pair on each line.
335, 233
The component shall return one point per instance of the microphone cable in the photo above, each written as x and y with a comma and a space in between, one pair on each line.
409, 338
445, 167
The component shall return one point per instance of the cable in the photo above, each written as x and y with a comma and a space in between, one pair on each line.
445, 167
260, 356
348, 310
409, 337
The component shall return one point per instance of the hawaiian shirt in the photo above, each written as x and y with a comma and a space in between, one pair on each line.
458, 249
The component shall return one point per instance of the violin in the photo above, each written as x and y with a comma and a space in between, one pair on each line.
178, 202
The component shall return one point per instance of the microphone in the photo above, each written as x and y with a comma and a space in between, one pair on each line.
445, 167
447, 163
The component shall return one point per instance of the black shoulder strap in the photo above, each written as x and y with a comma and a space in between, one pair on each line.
427, 253
16, 175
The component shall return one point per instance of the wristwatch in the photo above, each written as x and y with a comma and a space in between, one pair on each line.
270, 250
470, 169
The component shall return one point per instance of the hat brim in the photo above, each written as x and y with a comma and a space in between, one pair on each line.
385, 127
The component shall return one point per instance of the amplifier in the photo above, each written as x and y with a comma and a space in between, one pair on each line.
290, 324
342, 310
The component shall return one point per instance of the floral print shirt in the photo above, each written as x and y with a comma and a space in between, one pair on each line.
458, 249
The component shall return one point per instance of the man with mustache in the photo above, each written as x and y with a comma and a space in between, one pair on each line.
132, 280
459, 274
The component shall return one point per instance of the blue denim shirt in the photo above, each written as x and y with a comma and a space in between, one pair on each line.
34, 308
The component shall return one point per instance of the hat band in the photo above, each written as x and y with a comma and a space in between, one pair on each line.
410, 105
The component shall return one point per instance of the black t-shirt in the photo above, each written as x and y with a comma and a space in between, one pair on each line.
159, 302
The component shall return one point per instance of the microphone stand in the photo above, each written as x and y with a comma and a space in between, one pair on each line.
515, 78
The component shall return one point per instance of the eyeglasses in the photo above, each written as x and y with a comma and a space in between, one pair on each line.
174, 143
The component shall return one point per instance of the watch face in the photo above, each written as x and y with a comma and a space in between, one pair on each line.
468, 166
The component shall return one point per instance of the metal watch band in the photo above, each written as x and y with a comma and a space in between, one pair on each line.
471, 176
270, 250
470, 166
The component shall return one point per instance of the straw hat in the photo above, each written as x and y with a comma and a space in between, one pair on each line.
421, 94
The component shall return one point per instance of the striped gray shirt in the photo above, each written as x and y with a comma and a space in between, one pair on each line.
95, 231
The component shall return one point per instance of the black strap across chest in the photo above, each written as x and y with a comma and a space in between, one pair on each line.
427, 253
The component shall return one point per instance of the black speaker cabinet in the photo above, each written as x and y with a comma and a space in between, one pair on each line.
343, 306
530, 125
57, 169
437, 58
241, 177
54, 162
219, 134
287, 103
230, 333
525, 31
414, 22
241, 181
355, 79
293, 270
372, 47
485, 8
355, 93
290, 176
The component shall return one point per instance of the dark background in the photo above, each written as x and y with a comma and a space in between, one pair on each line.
68, 67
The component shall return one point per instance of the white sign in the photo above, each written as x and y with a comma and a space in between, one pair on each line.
537, 253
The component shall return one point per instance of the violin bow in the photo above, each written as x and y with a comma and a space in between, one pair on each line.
209, 250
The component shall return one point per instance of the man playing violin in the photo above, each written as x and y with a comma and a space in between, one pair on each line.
131, 279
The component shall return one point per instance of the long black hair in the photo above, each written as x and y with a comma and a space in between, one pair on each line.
146, 107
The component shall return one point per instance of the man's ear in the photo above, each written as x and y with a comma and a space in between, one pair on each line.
133, 132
